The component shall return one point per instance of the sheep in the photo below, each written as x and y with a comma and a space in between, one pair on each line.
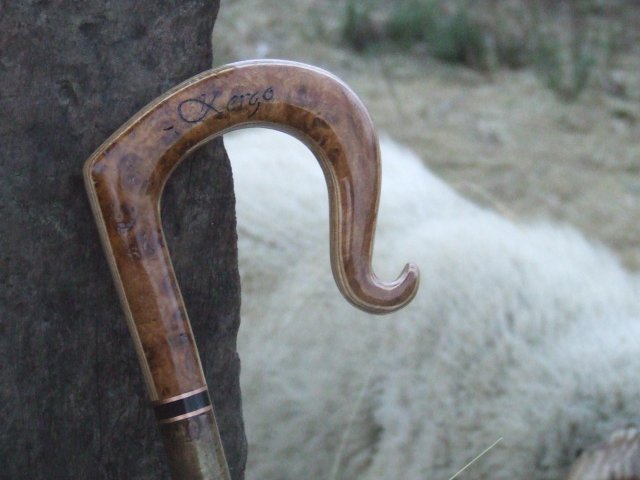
523, 337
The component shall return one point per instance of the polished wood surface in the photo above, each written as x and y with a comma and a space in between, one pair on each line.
126, 175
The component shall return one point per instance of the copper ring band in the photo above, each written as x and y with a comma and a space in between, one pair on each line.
186, 415
179, 397
183, 406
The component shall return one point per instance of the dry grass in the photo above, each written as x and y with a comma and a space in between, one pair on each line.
518, 145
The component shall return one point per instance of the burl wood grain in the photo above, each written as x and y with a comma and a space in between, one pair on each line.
126, 175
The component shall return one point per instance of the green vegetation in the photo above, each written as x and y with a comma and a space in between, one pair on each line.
565, 41
454, 38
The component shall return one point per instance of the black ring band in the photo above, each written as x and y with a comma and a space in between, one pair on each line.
182, 406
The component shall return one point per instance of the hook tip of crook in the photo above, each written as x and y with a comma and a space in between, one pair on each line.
407, 285
382, 297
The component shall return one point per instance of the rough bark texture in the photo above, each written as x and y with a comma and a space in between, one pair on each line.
72, 401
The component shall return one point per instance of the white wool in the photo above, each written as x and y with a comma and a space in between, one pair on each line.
527, 333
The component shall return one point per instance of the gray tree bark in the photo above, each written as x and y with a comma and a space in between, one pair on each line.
72, 401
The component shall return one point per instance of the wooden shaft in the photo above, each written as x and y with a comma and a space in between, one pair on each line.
193, 447
125, 178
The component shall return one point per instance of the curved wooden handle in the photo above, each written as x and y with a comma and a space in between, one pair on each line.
126, 175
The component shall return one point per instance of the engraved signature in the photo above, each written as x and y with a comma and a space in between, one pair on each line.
194, 110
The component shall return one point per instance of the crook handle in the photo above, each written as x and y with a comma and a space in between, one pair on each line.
125, 178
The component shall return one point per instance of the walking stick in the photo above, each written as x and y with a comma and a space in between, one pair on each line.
125, 178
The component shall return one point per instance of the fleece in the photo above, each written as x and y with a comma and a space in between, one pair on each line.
522, 333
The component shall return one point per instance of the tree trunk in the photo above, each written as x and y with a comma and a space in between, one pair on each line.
72, 401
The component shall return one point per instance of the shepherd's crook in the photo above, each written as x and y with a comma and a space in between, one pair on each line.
125, 178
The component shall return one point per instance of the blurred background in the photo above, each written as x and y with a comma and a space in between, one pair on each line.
531, 108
